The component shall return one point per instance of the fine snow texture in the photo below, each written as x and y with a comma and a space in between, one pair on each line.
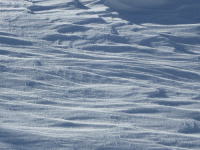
80, 75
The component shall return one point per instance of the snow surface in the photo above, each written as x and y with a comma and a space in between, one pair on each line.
91, 76
131, 5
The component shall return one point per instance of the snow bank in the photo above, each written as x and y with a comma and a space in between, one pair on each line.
157, 11
138, 5
131, 5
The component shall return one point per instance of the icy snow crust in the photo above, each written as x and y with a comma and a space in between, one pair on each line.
87, 76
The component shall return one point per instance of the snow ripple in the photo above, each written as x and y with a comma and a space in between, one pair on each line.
82, 76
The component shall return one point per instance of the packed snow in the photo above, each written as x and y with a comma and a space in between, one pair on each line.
131, 5
99, 75
163, 5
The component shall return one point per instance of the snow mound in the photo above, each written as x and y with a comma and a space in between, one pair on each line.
131, 5
157, 11
138, 5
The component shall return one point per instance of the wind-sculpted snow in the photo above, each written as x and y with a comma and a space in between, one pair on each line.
84, 76
140, 5
157, 11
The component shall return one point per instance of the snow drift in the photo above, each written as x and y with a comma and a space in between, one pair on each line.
138, 5
157, 11
74, 75
131, 5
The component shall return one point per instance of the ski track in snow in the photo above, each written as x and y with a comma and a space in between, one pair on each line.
80, 77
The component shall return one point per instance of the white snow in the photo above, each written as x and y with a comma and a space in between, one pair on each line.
98, 75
